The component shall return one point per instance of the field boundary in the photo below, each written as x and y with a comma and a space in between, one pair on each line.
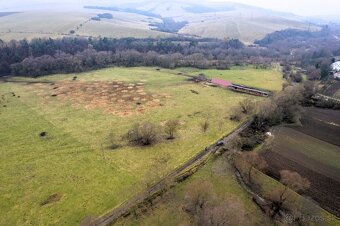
320, 96
179, 174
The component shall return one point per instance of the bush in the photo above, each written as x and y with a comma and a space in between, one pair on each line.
113, 143
237, 114
247, 106
297, 77
171, 127
143, 134
205, 125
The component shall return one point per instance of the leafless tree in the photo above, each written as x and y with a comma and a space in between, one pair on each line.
255, 161
171, 127
247, 106
291, 180
229, 212
143, 134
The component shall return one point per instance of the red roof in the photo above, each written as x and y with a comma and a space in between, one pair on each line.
221, 82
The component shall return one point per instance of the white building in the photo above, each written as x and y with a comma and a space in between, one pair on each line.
335, 69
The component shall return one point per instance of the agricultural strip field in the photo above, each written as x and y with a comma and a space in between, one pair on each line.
70, 172
40, 24
247, 29
333, 90
313, 150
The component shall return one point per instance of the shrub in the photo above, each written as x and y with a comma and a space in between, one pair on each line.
297, 77
143, 134
113, 143
171, 127
205, 125
247, 106
236, 115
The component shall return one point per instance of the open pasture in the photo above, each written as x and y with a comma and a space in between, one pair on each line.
57, 24
216, 178
56, 165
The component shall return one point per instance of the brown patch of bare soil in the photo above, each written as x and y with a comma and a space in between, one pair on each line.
114, 97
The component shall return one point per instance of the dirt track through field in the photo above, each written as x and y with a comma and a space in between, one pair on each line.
182, 172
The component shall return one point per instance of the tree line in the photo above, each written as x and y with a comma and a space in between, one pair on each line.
312, 51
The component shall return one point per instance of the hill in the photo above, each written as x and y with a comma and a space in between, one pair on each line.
150, 19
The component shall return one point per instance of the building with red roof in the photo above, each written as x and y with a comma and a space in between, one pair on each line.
221, 82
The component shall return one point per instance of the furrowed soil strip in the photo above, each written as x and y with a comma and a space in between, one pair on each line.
178, 175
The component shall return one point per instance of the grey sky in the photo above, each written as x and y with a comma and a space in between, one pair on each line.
300, 7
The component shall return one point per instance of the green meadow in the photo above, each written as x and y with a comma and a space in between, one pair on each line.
71, 173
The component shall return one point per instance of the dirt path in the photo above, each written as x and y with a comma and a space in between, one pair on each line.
178, 175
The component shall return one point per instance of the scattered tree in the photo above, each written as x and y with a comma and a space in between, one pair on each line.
171, 127
205, 125
237, 114
143, 134
205, 208
291, 180
198, 197
255, 161
229, 212
297, 77
247, 106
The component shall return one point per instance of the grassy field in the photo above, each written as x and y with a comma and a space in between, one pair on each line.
248, 76
34, 24
73, 162
233, 25
220, 176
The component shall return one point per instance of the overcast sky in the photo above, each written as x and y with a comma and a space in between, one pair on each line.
300, 7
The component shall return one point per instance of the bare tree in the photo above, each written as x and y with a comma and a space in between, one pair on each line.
143, 134
291, 180
229, 212
206, 208
171, 127
247, 106
197, 197
255, 161
237, 114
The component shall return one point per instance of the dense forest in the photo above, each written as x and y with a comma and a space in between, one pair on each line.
312, 51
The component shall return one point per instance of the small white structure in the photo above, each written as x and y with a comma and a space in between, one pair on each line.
335, 66
269, 134
335, 69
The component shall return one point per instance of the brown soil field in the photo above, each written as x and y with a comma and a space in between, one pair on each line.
312, 150
324, 190
114, 97
323, 124
332, 89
